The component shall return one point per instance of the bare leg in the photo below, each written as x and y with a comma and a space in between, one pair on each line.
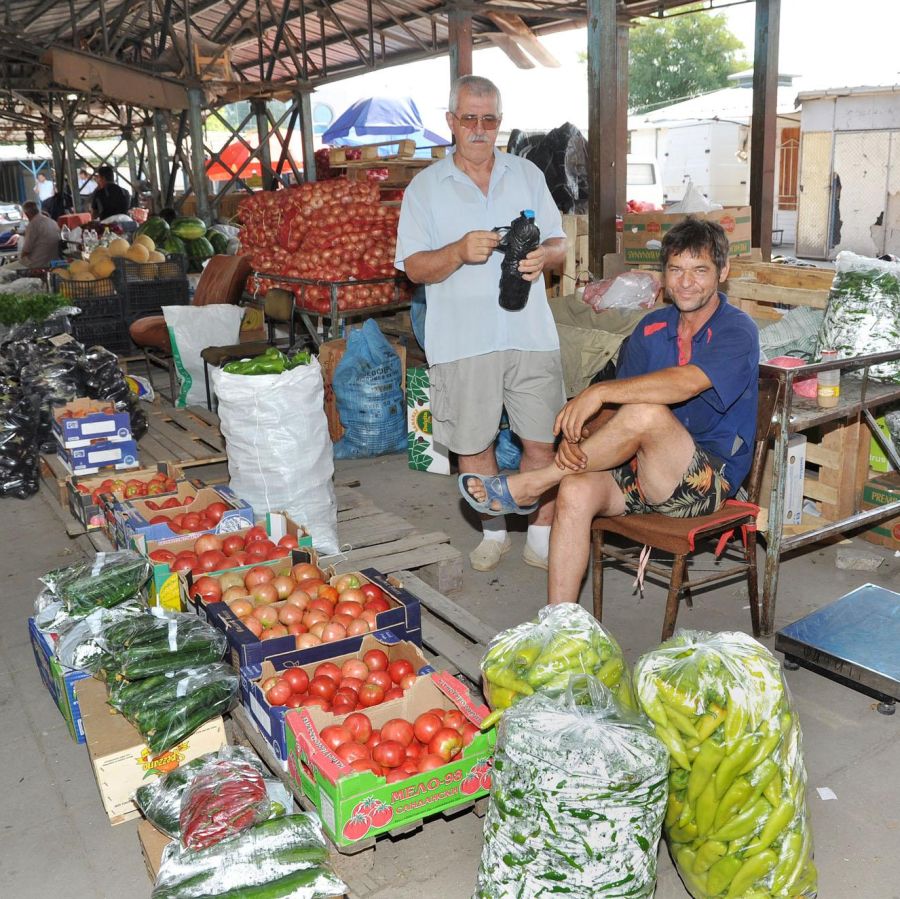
581, 497
534, 457
651, 432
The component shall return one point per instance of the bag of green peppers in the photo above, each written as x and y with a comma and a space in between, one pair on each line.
736, 822
564, 640
577, 800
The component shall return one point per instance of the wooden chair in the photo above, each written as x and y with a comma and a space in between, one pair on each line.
678, 536
222, 281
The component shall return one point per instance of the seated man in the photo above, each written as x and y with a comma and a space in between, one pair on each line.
40, 244
678, 439
109, 198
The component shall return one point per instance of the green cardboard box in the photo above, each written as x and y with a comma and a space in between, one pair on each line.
423, 452
879, 492
359, 806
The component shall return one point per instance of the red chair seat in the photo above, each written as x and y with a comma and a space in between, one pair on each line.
151, 332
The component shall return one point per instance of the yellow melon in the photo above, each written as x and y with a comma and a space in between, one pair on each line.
138, 253
99, 253
61, 272
77, 266
118, 247
145, 241
156, 256
83, 276
103, 267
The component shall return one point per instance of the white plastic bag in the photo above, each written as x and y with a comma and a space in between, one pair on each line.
279, 453
630, 290
191, 330
692, 201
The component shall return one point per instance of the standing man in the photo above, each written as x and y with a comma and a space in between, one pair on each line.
44, 190
673, 434
86, 187
109, 199
40, 244
483, 357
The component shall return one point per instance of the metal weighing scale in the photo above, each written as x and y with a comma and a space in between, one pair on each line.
854, 641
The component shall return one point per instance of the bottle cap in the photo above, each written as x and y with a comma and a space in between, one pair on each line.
528, 213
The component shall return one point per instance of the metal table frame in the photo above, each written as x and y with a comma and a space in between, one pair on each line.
335, 315
858, 397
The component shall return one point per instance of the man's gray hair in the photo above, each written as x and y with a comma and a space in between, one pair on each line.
476, 85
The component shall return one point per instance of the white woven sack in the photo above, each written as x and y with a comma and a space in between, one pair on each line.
279, 452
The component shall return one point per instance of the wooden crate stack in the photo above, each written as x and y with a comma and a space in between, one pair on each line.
562, 283
759, 287
402, 165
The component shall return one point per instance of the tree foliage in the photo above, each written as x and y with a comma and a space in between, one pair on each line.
680, 57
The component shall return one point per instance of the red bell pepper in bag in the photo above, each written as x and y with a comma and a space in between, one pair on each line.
224, 798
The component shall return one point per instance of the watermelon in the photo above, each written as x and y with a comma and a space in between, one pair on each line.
188, 228
199, 249
156, 228
173, 245
219, 241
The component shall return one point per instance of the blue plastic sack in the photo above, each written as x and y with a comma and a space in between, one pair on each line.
369, 397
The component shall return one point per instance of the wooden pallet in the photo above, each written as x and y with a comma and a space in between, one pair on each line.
370, 158
247, 734
760, 287
377, 539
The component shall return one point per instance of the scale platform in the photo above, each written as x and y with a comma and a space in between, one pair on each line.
854, 641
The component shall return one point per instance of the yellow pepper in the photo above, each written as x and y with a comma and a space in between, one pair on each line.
706, 808
708, 854
751, 870
708, 758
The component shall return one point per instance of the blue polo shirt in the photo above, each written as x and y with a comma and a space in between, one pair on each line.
722, 419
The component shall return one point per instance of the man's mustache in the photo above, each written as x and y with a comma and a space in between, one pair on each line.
477, 138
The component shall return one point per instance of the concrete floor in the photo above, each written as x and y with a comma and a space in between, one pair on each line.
57, 839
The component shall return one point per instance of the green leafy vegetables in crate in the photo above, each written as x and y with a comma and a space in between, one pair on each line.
36, 307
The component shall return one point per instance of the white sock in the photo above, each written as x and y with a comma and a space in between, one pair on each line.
494, 529
538, 539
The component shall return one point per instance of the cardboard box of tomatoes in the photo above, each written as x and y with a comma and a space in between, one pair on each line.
86, 493
192, 510
411, 758
288, 681
83, 422
173, 559
402, 616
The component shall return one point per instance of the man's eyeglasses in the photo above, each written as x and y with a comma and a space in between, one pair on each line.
488, 122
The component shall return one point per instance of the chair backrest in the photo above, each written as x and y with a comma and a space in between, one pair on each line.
279, 304
222, 280
769, 390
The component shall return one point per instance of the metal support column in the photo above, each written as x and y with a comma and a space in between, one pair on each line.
602, 94
152, 168
198, 156
71, 166
764, 124
302, 99
460, 22
128, 138
162, 151
56, 154
622, 34
262, 136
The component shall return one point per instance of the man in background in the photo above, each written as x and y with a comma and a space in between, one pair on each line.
109, 198
86, 188
44, 190
40, 244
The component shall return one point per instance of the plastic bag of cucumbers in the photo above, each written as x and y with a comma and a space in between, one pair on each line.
577, 800
282, 857
564, 640
736, 822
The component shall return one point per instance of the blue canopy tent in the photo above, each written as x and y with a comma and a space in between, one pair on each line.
378, 119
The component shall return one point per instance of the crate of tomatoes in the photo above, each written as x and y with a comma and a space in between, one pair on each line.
389, 767
382, 669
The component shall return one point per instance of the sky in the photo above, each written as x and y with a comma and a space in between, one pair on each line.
820, 45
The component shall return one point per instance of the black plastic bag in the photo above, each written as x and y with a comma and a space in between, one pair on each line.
562, 155
521, 237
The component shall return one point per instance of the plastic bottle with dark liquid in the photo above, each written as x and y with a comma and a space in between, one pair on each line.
522, 236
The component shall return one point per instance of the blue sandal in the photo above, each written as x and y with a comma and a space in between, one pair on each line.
497, 489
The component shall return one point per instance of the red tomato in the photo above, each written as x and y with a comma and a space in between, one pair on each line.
296, 701
215, 511
277, 552
279, 694
335, 735
396, 774
426, 726
372, 591
289, 541
232, 544
382, 678
162, 555
191, 522
161, 519
414, 750
351, 751
429, 763
370, 694
254, 534
393, 693
400, 668
208, 589
305, 570
377, 606
328, 669
183, 564
323, 687
207, 543
376, 660
469, 732
445, 743
355, 668
454, 718
319, 702
297, 678
353, 594
360, 726
351, 683
374, 740
407, 681
342, 704
212, 560
352, 609
365, 765
389, 753
398, 730
259, 574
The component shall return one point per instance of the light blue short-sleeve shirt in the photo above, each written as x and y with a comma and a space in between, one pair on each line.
464, 316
